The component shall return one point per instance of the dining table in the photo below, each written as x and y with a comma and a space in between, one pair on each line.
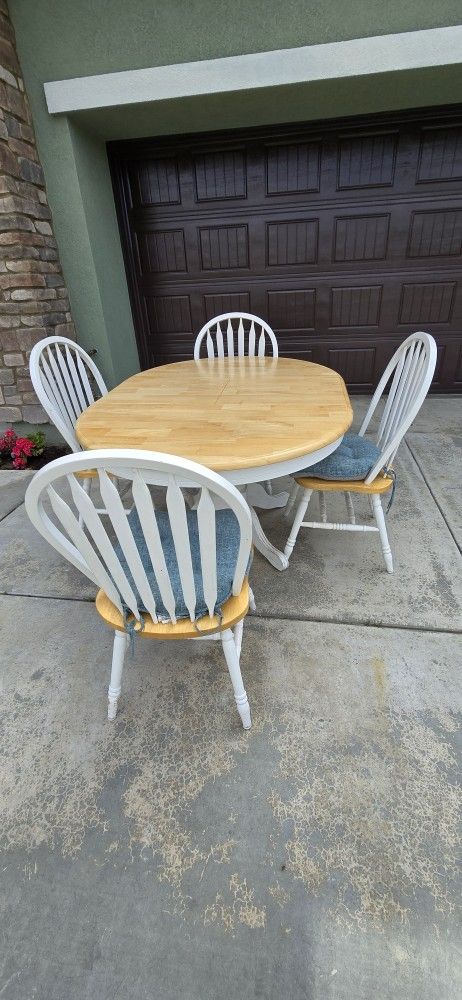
251, 419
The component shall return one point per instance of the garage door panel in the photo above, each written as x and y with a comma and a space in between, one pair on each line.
366, 161
456, 350
346, 237
162, 251
436, 233
360, 238
427, 302
294, 309
440, 155
220, 175
215, 305
292, 242
355, 306
293, 168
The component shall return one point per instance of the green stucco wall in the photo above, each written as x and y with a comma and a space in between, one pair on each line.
59, 39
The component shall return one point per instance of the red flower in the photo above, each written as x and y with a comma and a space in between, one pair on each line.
8, 440
21, 451
22, 445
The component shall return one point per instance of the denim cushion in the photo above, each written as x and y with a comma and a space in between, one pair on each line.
227, 545
353, 459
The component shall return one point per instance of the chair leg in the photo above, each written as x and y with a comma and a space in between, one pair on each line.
252, 605
118, 654
300, 514
380, 521
292, 498
322, 506
350, 507
269, 487
232, 660
238, 630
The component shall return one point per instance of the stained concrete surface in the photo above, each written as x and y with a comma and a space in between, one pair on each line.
439, 457
12, 487
171, 854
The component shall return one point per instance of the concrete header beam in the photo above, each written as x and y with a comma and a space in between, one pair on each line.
408, 50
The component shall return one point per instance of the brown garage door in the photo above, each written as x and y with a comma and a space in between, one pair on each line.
344, 236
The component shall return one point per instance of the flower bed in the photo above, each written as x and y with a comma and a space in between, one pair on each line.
29, 452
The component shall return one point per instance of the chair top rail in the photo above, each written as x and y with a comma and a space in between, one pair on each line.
220, 336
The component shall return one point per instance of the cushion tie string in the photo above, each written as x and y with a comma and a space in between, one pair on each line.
130, 627
392, 474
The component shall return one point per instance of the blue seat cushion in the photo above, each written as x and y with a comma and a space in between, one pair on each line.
227, 546
353, 459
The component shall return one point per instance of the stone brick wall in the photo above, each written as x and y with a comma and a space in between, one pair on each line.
33, 298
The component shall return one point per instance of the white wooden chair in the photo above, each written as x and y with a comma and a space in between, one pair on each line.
236, 334
410, 373
121, 568
66, 381
62, 375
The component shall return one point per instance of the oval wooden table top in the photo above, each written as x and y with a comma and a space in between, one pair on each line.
226, 413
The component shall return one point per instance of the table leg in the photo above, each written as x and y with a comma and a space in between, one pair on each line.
257, 496
263, 544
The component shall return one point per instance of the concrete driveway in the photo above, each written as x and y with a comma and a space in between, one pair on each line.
172, 855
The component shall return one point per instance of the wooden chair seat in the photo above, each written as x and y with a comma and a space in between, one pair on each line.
234, 609
91, 474
381, 484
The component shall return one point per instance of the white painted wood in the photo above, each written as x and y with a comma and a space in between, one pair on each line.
116, 513
337, 526
259, 496
146, 513
219, 340
232, 660
208, 548
59, 370
292, 498
350, 507
237, 326
90, 546
176, 508
277, 470
115, 684
95, 530
229, 338
299, 515
407, 50
238, 632
240, 339
380, 520
264, 546
92, 565
252, 340
408, 377
411, 371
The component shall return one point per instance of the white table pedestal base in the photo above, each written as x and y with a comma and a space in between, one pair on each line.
264, 546
257, 496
